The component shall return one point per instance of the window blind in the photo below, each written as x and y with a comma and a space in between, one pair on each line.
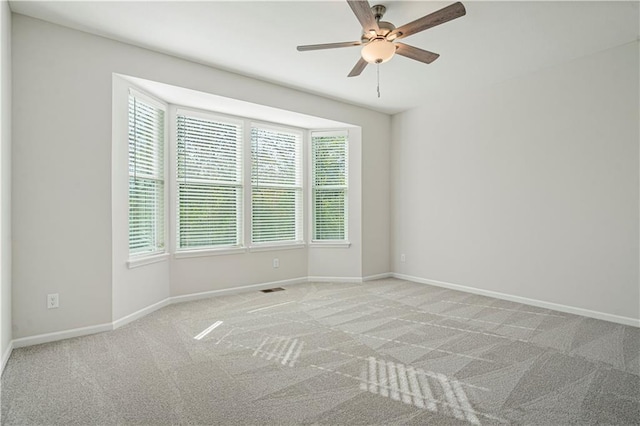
146, 176
209, 182
329, 158
276, 185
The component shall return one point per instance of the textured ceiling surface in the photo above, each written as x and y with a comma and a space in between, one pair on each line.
494, 42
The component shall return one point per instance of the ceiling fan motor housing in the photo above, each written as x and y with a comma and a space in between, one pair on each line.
385, 29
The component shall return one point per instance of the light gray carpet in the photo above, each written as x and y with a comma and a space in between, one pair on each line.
382, 352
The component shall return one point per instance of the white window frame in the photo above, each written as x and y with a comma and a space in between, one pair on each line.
145, 258
300, 241
343, 243
187, 252
304, 227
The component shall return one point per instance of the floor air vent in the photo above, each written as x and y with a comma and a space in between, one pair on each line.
271, 290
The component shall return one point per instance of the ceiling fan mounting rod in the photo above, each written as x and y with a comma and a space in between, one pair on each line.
378, 11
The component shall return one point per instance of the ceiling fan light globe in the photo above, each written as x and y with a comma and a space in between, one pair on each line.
378, 51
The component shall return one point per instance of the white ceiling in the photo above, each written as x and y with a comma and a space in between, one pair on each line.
494, 42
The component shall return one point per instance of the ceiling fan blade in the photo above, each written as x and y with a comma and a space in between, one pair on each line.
363, 12
328, 46
415, 53
441, 16
360, 66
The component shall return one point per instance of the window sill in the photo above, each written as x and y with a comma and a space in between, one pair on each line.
330, 244
209, 252
147, 260
273, 247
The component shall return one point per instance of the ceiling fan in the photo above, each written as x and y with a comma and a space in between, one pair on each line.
379, 37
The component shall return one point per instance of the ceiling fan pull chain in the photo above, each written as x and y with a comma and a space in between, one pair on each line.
378, 72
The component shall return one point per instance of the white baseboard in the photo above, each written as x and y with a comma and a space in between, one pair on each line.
377, 277
524, 300
334, 279
5, 357
235, 290
61, 335
83, 331
139, 314
77, 332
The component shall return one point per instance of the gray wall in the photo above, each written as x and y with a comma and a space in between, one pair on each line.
62, 169
528, 188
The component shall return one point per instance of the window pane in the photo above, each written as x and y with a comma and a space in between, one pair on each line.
329, 182
208, 150
276, 177
208, 215
275, 214
329, 161
330, 214
275, 158
146, 215
209, 180
146, 177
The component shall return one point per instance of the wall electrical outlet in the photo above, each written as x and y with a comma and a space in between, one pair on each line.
52, 301
276, 263
403, 258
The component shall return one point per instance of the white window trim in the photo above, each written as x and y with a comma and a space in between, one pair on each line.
330, 244
206, 115
257, 247
184, 254
139, 93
